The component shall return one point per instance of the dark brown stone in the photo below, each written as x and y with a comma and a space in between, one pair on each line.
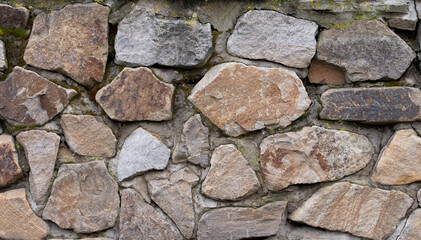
9, 166
12, 17
323, 73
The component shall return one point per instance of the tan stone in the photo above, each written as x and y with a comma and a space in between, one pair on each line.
136, 95
72, 41
323, 73
412, 229
26, 98
17, 221
239, 98
362, 211
9, 164
230, 176
400, 160
311, 155
88, 135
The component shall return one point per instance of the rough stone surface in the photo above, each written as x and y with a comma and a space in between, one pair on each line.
174, 197
88, 135
84, 198
400, 160
241, 223
3, 59
311, 155
372, 105
73, 41
144, 39
367, 50
142, 151
140, 185
412, 229
13, 17
193, 146
230, 176
26, 98
269, 35
362, 211
17, 221
322, 73
136, 95
139, 220
10, 170
419, 197
407, 21
41, 150
239, 98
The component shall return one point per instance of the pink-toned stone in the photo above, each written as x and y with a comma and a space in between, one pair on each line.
10, 170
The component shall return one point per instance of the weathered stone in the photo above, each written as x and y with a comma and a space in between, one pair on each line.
3, 59
362, 211
142, 151
144, 39
88, 135
136, 95
9, 164
140, 185
239, 98
322, 73
400, 160
367, 50
72, 41
84, 198
41, 150
139, 220
26, 98
230, 177
194, 143
17, 221
372, 105
269, 35
13, 17
407, 21
241, 223
311, 155
174, 197
168, 75
412, 229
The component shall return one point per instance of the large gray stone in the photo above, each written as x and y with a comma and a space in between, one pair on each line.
311, 155
13, 17
367, 50
142, 151
269, 35
144, 39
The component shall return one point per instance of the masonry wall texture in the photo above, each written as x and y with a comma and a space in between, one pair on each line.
223, 119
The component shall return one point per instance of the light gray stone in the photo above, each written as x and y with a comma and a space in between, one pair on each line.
407, 21
41, 150
3, 59
412, 229
142, 151
269, 35
193, 146
367, 50
144, 39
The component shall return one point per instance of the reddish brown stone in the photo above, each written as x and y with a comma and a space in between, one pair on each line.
323, 73
9, 166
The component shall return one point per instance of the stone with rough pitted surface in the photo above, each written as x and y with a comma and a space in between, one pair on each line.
10, 170
13, 17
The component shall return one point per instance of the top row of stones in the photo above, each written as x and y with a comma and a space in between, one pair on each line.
74, 41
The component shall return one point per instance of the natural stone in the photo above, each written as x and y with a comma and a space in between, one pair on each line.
312, 155
136, 95
88, 135
419, 197
322, 73
72, 41
142, 151
13, 17
372, 105
194, 143
367, 50
84, 198
230, 176
241, 223
144, 39
3, 59
412, 229
139, 220
400, 160
140, 185
41, 150
174, 197
26, 98
269, 35
239, 98
10, 170
17, 221
407, 21
362, 211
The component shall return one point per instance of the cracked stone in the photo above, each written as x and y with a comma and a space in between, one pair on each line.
10, 170
412, 229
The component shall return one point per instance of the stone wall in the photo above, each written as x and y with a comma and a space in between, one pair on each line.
282, 119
